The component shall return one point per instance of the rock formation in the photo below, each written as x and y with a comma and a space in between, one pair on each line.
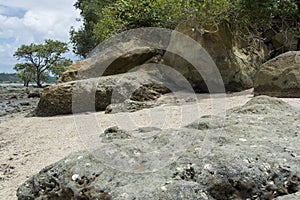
181, 61
136, 47
252, 153
120, 54
95, 94
236, 62
279, 77
17, 101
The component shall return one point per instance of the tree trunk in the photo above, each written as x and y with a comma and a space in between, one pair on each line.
26, 83
38, 79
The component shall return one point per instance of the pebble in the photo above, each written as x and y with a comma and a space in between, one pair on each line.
203, 196
163, 188
75, 177
208, 167
294, 155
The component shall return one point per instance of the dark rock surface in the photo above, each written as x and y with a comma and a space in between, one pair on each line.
279, 77
17, 101
251, 153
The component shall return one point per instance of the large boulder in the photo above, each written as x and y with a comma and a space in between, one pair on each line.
113, 62
95, 94
280, 76
120, 54
237, 61
246, 160
139, 46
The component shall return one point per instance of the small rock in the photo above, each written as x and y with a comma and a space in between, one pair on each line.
76, 177
25, 104
242, 140
163, 188
34, 94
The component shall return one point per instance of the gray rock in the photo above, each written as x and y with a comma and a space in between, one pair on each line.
25, 103
245, 155
128, 106
96, 94
115, 133
289, 197
279, 77
120, 54
34, 93
124, 52
14, 101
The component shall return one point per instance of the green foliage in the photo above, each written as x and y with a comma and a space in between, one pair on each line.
125, 15
84, 40
25, 72
248, 18
40, 60
207, 15
129, 14
256, 16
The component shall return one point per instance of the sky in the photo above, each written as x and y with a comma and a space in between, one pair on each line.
33, 21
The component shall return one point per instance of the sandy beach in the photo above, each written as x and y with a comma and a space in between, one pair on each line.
29, 144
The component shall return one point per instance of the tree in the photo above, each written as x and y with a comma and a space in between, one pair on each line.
258, 16
248, 19
26, 76
129, 14
106, 18
41, 60
83, 39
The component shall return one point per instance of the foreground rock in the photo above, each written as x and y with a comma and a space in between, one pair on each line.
96, 94
279, 77
252, 153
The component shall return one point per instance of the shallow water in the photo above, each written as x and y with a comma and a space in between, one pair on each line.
12, 84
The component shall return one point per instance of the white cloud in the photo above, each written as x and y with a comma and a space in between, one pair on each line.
35, 21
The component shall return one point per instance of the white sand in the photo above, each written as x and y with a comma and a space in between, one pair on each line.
29, 144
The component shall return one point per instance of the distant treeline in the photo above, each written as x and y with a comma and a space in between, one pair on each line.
13, 78
6, 77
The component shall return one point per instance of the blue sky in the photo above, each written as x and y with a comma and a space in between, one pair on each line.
33, 21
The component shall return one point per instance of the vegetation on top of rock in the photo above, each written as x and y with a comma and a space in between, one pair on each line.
83, 39
41, 60
247, 18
